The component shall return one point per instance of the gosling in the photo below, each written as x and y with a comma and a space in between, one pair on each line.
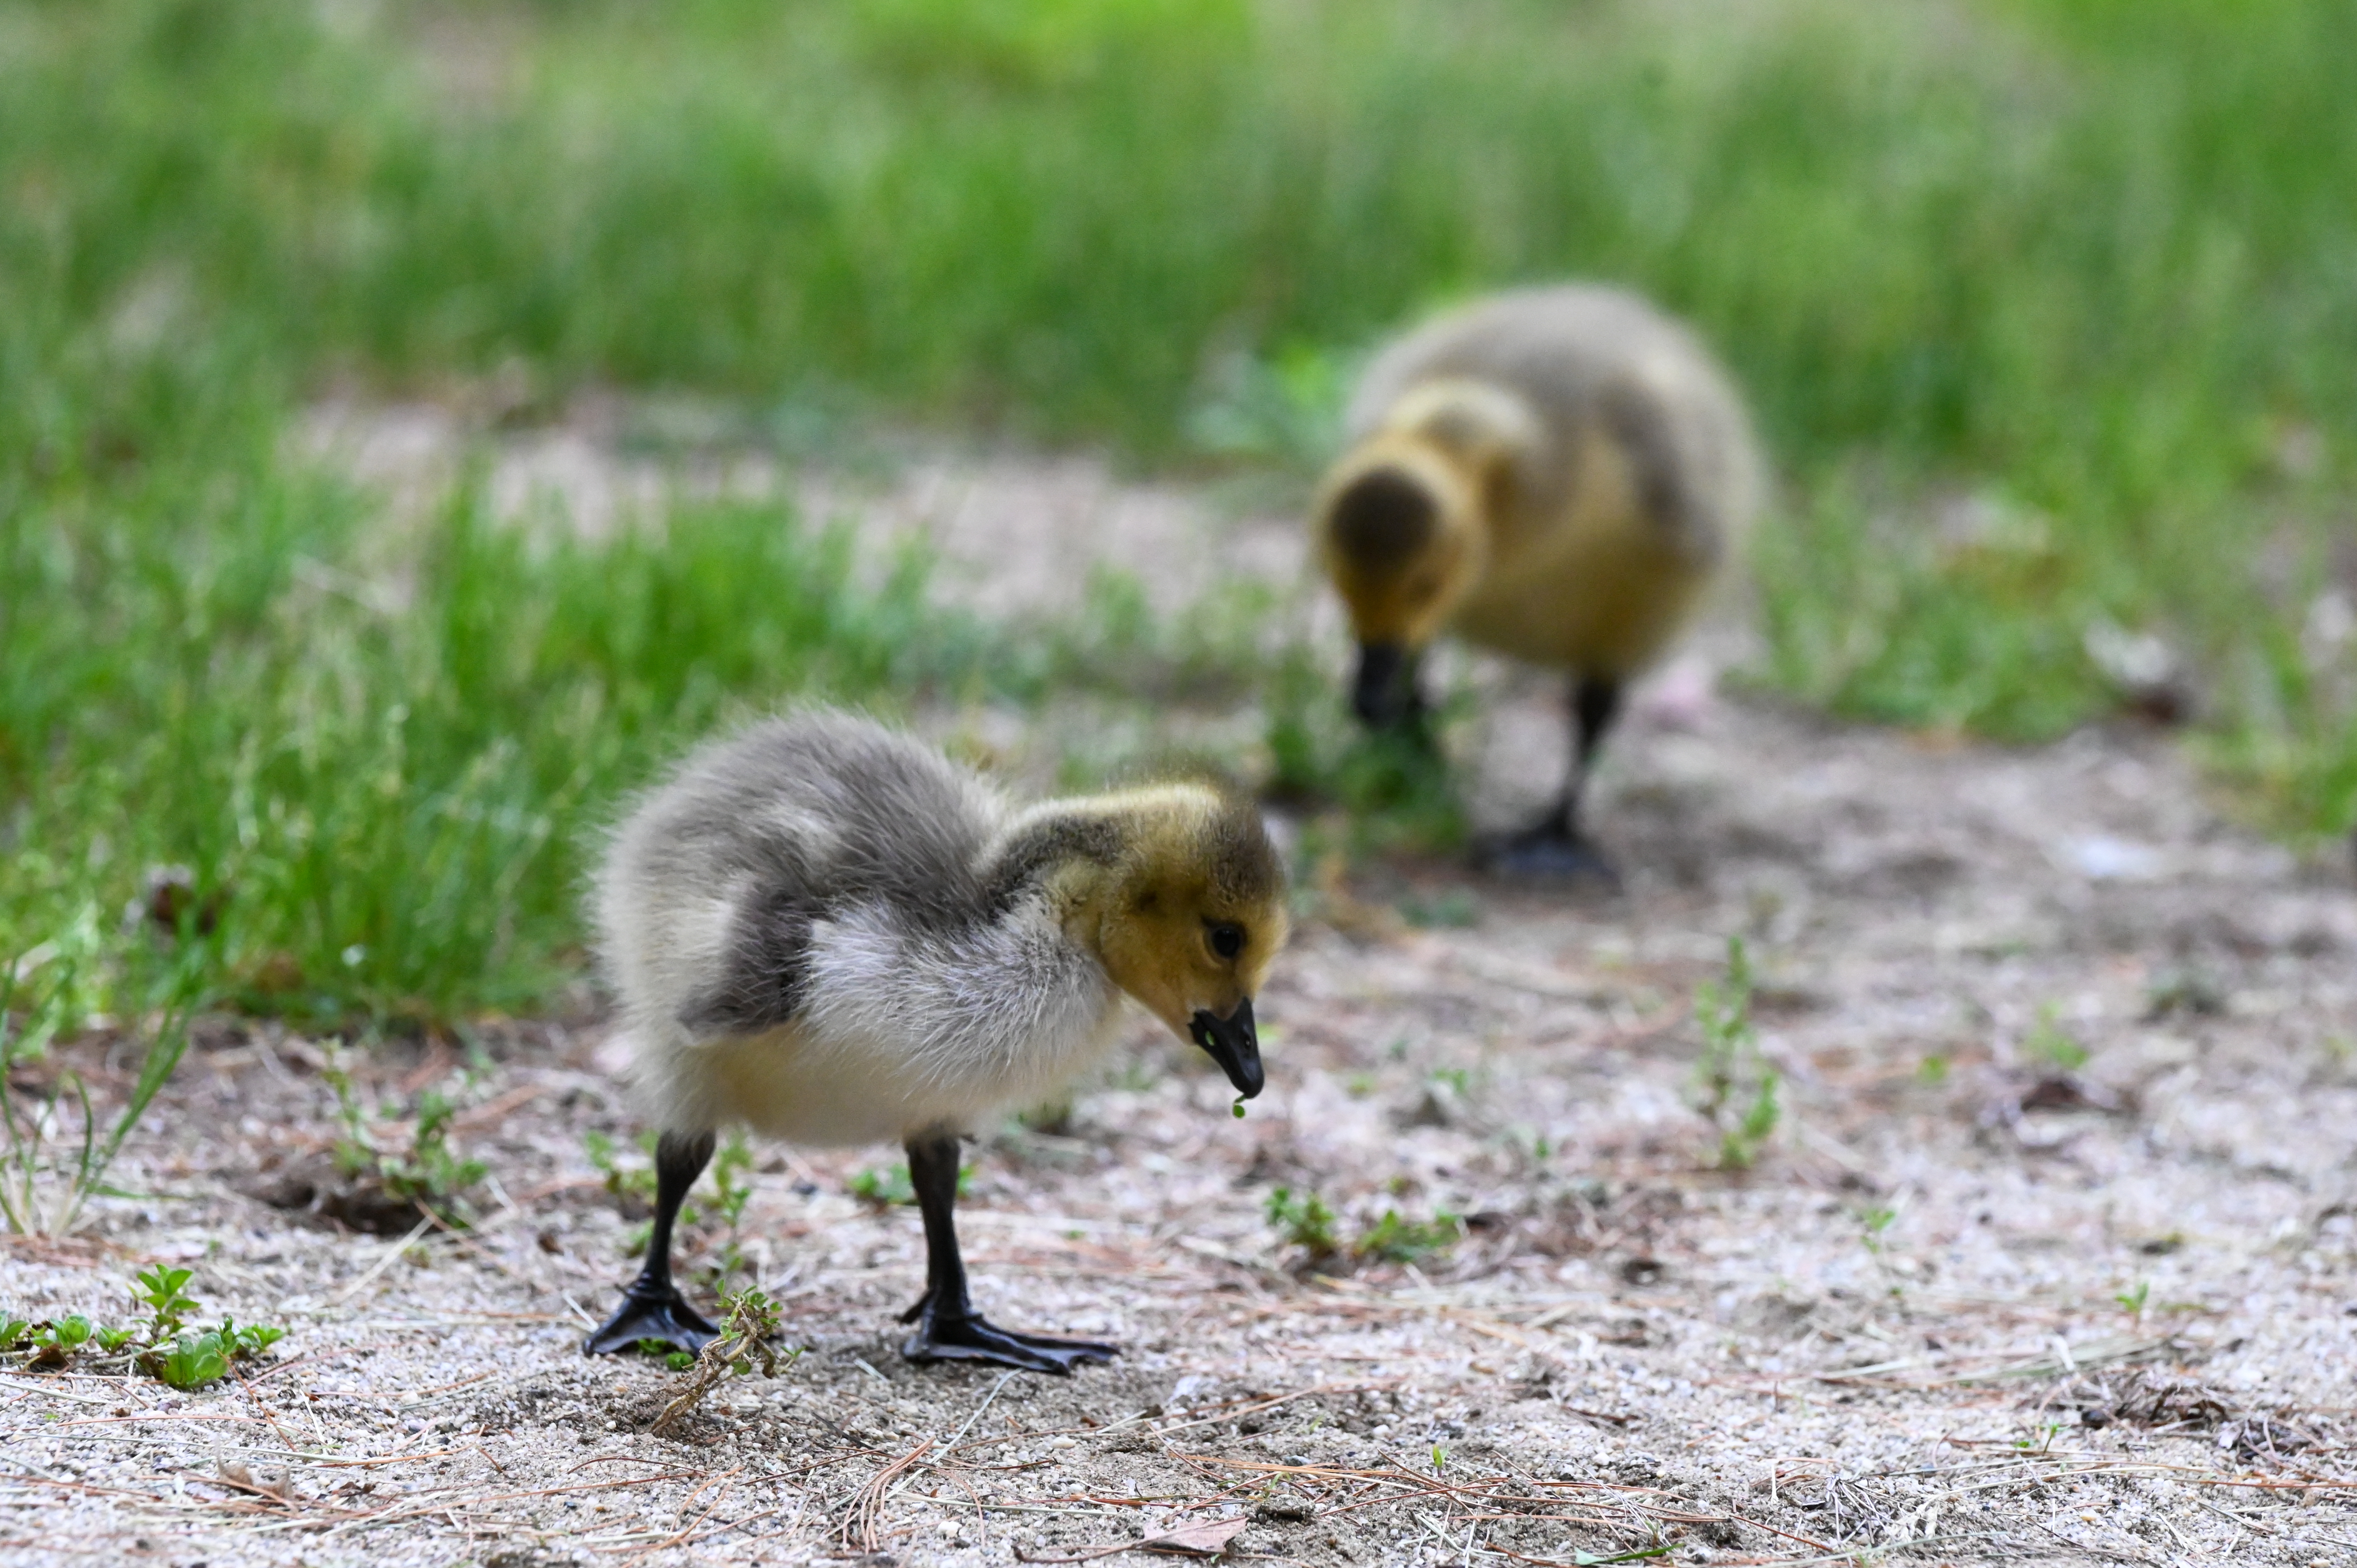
1557, 474
826, 931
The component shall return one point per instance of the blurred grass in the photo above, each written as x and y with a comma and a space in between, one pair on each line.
386, 790
2047, 306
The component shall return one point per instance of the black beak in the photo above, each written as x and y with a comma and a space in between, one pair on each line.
1386, 692
1234, 1046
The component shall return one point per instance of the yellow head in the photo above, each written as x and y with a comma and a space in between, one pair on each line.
1402, 524
1397, 534
1183, 900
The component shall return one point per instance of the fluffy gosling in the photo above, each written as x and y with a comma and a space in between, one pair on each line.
1557, 474
826, 931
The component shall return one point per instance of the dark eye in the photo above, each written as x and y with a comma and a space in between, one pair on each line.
1227, 940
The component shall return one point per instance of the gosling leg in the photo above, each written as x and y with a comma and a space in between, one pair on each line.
1555, 848
651, 1306
948, 1327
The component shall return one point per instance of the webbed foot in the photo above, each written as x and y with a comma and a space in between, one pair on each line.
1549, 853
652, 1311
976, 1339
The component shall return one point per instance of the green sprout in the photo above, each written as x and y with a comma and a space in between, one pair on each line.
728, 1172
1306, 1222
626, 1182
159, 1291
1731, 1069
193, 1361
430, 1174
1392, 1239
2049, 1044
891, 1186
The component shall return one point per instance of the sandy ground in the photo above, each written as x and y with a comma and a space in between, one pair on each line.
1972, 1304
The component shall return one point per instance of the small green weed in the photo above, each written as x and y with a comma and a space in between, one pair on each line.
53, 1344
633, 1184
1453, 909
1873, 1223
732, 1192
890, 1186
1732, 1071
163, 1346
2049, 1044
730, 1169
883, 1187
429, 1172
2047, 1431
748, 1321
194, 1360
160, 1289
2132, 1301
1304, 1221
1392, 1239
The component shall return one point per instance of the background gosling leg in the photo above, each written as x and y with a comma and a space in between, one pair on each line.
948, 1327
653, 1308
1555, 847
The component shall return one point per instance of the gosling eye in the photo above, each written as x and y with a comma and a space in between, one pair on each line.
1226, 939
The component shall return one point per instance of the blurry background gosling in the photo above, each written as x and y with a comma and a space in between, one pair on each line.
1557, 474
825, 931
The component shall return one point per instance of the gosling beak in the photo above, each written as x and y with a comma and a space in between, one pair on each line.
1232, 1045
1379, 698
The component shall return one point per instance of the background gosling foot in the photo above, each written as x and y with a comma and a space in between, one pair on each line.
1552, 851
1555, 849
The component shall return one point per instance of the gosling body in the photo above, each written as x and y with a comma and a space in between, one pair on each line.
825, 931
1557, 474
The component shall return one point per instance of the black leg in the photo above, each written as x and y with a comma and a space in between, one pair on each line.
653, 1308
948, 1327
1555, 848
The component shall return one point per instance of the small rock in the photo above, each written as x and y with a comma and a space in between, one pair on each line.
1284, 1510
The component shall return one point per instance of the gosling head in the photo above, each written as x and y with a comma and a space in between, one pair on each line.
1403, 525
1192, 913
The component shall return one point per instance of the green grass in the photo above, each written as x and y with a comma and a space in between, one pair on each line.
387, 792
2045, 306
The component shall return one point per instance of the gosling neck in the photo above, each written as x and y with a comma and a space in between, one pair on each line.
1072, 853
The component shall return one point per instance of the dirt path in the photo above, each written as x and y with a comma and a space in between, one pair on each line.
1977, 1293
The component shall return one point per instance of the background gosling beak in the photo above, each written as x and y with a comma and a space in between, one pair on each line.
1232, 1045
1377, 698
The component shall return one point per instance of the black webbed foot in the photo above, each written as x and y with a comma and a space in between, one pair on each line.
976, 1339
1550, 853
979, 1339
656, 1313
